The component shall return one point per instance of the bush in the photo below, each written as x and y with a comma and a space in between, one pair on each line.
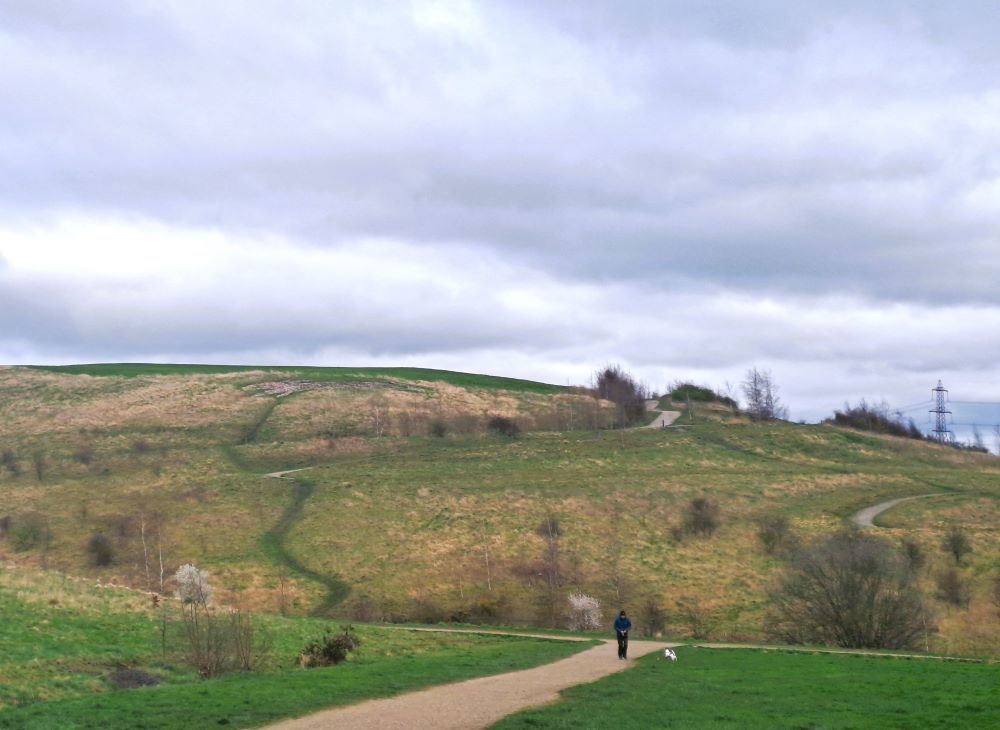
957, 543
774, 533
8, 460
699, 394
914, 555
329, 649
217, 641
40, 463
703, 517
616, 385
100, 550
952, 589
84, 454
192, 585
29, 531
583, 613
503, 426
438, 428
876, 418
850, 590
653, 617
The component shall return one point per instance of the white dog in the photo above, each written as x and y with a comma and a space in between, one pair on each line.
669, 654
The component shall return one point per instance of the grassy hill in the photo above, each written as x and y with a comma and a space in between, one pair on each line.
392, 522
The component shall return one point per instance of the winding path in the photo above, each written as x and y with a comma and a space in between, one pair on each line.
475, 703
866, 517
666, 418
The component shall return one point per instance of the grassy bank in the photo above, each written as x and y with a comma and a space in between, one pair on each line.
63, 639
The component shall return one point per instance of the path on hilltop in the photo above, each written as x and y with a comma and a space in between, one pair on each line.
664, 419
475, 703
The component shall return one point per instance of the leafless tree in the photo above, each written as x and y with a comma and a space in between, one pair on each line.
957, 543
761, 393
613, 383
849, 590
977, 439
551, 533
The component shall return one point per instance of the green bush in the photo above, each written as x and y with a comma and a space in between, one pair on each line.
330, 648
100, 550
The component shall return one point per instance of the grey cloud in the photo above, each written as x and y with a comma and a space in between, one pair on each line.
827, 149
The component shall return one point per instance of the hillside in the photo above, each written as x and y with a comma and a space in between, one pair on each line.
394, 523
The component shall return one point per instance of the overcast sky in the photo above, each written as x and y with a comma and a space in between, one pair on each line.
522, 188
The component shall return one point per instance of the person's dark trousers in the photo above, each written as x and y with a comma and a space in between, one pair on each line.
622, 644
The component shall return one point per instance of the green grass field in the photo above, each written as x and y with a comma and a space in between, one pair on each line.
729, 689
62, 639
464, 380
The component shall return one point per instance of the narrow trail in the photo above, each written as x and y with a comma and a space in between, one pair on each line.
273, 543
664, 419
866, 517
475, 703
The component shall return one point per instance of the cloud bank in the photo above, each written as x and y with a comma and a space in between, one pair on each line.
510, 187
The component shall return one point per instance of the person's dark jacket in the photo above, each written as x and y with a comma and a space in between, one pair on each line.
622, 624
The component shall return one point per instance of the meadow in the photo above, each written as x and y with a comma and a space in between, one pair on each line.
64, 641
727, 689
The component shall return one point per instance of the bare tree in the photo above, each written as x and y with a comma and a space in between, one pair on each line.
613, 383
551, 532
849, 590
761, 393
957, 543
977, 439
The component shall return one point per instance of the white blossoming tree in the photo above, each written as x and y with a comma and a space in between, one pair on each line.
584, 612
192, 585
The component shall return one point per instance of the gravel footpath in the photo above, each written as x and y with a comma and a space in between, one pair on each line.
474, 703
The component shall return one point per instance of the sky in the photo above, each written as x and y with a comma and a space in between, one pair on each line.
530, 189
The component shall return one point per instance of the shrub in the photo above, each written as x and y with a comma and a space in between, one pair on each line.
850, 590
329, 649
39, 463
84, 454
774, 533
952, 589
8, 460
29, 531
876, 418
653, 617
503, 426
217, 641
583, 613
192, 585
703, 517
438, 428
100, 550
957, 543
613, 383
698, 394
914, 555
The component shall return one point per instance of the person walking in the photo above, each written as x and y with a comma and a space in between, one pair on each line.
622, 626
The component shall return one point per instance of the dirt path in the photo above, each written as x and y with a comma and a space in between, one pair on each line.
866, 517
664, 419
281, 474
475, 703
